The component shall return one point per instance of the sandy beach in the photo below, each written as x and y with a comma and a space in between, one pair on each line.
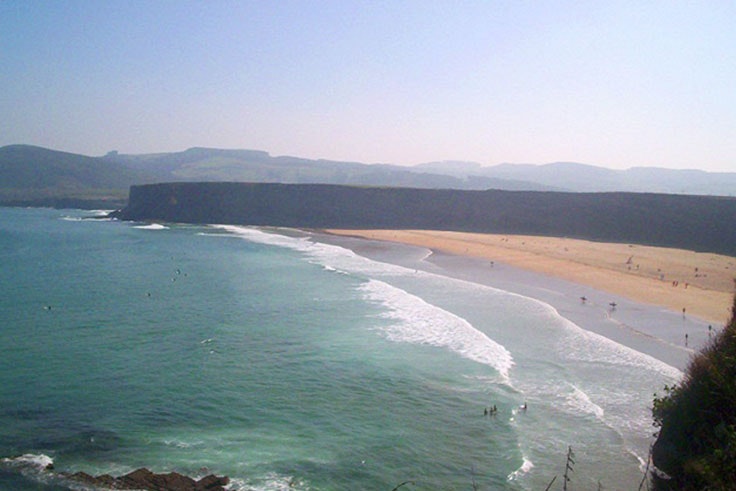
692, 283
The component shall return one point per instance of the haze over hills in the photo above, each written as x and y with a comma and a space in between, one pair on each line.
34, 175
576, 177
202, 164
38, 176
210, 164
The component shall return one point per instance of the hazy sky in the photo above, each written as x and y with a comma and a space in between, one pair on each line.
611, 83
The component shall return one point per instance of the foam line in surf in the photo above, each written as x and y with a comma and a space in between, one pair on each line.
524, 468
152, 226
327, 255
29, 461
583, 345
580, 401
259, 236
593, 347
416, 321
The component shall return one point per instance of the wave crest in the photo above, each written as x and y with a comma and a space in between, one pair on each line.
38, 462
419, 322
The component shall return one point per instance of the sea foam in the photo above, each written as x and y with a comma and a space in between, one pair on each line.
582, 345
152, 226
579, 344
581, 401
525, 467
595, 348
416, 321
38, 462
332, 257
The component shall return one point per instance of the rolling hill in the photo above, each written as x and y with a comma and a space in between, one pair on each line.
37, 176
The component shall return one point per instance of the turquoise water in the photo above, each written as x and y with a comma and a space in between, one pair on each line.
287, 363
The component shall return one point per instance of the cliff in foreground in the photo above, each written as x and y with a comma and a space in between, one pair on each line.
696, 445
699, 223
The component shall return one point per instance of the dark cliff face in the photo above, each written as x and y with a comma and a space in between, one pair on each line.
697, 223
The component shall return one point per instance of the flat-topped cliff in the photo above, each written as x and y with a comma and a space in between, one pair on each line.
699, 223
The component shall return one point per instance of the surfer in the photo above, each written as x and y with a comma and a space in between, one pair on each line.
523, 406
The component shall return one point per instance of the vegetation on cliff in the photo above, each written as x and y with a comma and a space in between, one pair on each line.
696, 445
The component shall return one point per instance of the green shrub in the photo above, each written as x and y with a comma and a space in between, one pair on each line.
696, 443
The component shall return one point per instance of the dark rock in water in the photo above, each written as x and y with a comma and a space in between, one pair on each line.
105, 480
144, 479
211, 481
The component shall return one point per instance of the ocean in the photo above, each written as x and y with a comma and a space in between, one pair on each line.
285, 360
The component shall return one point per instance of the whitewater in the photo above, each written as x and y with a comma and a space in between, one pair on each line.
287, 360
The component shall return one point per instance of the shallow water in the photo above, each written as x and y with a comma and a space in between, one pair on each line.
287, 362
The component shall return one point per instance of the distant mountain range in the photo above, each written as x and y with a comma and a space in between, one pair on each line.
575, 177
35, 175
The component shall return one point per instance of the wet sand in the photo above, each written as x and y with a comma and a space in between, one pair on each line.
694, 284
632, 307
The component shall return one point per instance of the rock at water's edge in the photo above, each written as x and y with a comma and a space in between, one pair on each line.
146, 480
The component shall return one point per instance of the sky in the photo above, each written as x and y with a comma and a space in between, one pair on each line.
618, 84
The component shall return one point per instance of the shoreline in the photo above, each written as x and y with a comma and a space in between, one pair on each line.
700, 283
660, 332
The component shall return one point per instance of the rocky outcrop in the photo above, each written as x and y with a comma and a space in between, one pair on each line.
144, 479
699, 223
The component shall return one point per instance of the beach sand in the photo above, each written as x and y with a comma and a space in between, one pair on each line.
636, 335
700, 283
